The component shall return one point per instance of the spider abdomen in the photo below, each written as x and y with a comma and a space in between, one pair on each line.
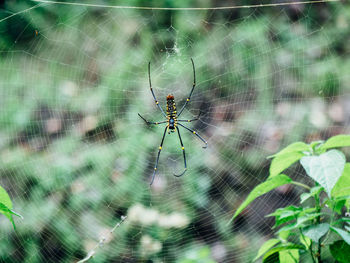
171, 112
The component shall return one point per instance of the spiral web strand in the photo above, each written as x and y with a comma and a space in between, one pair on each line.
76, 157
187, 8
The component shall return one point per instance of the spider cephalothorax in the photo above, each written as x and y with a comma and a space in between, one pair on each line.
172, 119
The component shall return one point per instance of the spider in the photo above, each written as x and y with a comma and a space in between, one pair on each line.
172, 120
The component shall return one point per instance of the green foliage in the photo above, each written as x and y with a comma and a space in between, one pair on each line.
314, 224
261, 189
287, 157
336, 141
315, 232
292, 148
344, 234
266, 247
340, 251
284, 248
282, 162
325, 169
6, 206
289, 256
342, 187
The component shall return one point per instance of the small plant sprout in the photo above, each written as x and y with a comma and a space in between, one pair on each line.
320, 225
6, 206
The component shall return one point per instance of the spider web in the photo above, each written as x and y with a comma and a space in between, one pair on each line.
76, 158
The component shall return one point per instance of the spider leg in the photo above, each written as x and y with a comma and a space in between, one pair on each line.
148, 122
150, 86
193, 86
159, 150
195, 133
195, 119
183, 151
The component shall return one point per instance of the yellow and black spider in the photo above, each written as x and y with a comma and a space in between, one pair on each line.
172, 119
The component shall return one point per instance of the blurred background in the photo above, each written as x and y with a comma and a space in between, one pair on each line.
75, 157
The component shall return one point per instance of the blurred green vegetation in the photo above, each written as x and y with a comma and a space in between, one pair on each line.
75, 157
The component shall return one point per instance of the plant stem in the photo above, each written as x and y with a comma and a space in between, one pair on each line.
327, 235
310, 247
312, 254
302, 185
318, 219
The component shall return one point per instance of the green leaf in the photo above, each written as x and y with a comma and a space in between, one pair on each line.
286, 211
291, 148
4, 198
289, 256
6, 201
342, 187
284, 247
285, 214
305, 241
266, 247
325, 169
282, 221
314, 191
314, 145
282, 162
340, 251
338, 206
307, 217
344, 234
342, 220
304, 197
336, 141
283, 235
261, 189
288, 227
274, 258
345, 219
315, 232
5, 209
302, 221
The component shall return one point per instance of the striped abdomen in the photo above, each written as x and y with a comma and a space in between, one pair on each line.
171, 112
